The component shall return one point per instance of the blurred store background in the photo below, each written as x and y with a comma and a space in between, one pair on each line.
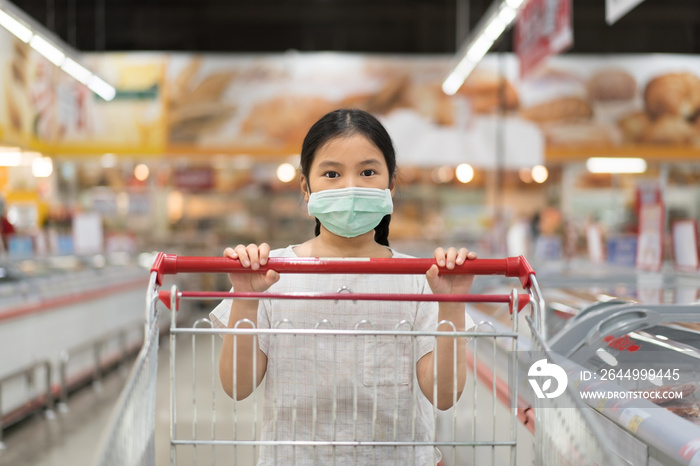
190, 142
198, 147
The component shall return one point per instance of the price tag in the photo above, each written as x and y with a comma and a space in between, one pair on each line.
600, 404
632, 418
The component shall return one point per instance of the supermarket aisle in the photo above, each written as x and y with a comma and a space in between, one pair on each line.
71, 437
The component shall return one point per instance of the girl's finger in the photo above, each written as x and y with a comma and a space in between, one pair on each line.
451, 257
272, 276
264, 253
432, 271
242, 254
461, 256
439, 256
253, 255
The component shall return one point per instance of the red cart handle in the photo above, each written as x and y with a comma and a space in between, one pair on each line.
171, 264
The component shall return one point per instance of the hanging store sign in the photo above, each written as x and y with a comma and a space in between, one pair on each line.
685, 245
194, 179
616, 9
543, 28
650, 239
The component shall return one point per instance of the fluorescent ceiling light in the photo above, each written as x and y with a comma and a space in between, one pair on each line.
48, 50
10, 159
616, 165
101, 88
456, 78
507, 14
498, 17
452, 84
514, 4
479, 48
76, 70
495, 28
51, 47
21, 31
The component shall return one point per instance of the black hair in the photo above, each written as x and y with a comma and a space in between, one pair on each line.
347, 122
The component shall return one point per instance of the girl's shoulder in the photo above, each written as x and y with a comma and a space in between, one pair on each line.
283, 252
399, 255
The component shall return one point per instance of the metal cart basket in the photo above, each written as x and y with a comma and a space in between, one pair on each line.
366, 385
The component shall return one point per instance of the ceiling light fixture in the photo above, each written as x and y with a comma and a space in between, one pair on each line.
616, 165
76, 70
21, 31
497, 19
52, 48
10, 156
47, 49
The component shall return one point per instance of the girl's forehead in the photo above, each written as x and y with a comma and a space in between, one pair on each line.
348, 150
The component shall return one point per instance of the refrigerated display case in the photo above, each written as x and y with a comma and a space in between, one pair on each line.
65, 321
630, 344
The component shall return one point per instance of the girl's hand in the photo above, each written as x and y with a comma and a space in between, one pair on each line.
252, 256
450, 284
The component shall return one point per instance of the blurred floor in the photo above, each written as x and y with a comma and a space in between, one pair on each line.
70, 438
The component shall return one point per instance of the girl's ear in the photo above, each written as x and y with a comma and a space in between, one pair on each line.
392, 185
304, 188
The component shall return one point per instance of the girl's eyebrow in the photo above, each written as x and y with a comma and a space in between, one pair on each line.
370, 162
333, 164
329, 164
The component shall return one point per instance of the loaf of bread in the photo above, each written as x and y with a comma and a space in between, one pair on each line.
668, 129
561, 109
487, 92
634, 126
673, 94
611, 85
581, 133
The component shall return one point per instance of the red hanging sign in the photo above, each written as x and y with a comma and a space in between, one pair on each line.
543, 28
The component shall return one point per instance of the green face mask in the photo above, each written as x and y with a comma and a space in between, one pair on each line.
350, 212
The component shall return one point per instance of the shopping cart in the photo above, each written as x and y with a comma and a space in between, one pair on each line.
212, 429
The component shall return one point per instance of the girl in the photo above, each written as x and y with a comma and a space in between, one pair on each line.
345, 388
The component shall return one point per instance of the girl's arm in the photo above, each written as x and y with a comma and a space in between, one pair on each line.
246, 346
444, 353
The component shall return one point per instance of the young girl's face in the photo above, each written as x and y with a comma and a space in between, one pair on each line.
344, 162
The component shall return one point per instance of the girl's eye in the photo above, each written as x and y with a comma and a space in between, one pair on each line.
368, 172
332, 175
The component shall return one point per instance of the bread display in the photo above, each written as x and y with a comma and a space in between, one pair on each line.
389, 97
611, 107
487, 92
581, 133
196, 106
634, 126
611, 84
16, 79
673, 94
571, 103
671, 107
668, 129
558, 110
284, 120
